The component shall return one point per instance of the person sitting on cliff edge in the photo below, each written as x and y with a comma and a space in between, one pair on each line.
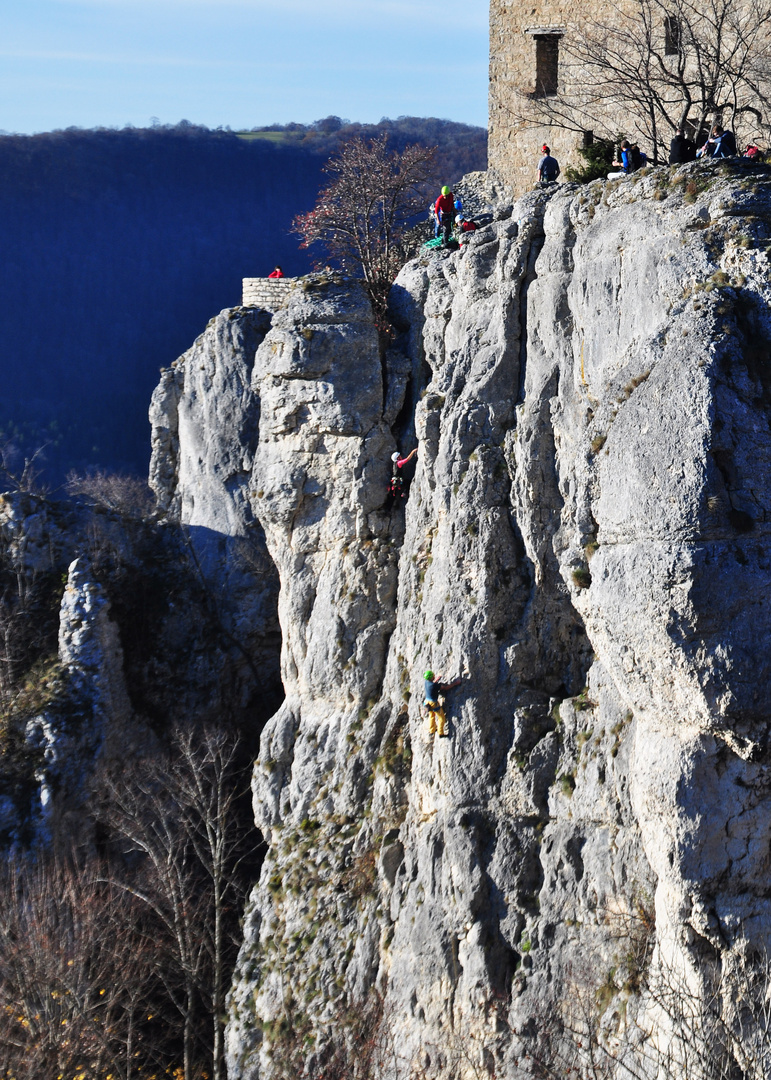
632, 159
433, 688
723, 142
681, 149
464, 226
276, 274
625, 164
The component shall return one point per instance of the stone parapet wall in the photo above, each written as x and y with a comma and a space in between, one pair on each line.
266, 293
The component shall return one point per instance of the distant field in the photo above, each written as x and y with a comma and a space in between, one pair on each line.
309, 140
271, 136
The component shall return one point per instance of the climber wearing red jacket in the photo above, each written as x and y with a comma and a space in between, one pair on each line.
277, 273
444, 207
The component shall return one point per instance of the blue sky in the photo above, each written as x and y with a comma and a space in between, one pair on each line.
239, 63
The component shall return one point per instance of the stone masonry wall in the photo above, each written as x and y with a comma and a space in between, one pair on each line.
266, 294
523, 42
516, 135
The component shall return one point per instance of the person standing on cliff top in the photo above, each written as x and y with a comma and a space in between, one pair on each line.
275, 274
444, 208
548, 167
433, 688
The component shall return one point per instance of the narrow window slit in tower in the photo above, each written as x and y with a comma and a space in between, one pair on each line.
671, 35
546, 64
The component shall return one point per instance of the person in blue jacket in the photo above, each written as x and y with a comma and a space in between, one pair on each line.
724, 142
548, 167
631, 160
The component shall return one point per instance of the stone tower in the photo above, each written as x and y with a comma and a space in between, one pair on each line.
527, 63
543, 89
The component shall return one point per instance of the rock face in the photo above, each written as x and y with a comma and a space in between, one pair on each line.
585, 542
205, 423
117, 629
91, 719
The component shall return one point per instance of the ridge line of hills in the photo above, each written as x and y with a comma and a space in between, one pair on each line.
121, 244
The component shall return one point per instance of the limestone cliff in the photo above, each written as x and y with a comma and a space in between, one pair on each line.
585, 541
118, 627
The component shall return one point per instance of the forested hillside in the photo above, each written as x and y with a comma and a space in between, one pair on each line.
119, 246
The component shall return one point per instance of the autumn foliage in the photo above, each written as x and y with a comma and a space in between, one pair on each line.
362, 215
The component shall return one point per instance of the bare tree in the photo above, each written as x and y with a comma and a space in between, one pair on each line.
361, 216
119, 968
29, 601
21, 473
182, 816
74, 986
655, 65
677, 1029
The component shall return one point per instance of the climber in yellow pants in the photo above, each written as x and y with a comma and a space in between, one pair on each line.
436, 717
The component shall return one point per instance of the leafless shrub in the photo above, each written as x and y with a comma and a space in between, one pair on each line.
29, 600
676, 1029
21, 473
75, 991
126, 495
250, 554
360, 1044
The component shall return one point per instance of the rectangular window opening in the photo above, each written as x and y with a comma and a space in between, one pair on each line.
671, 35
546, 64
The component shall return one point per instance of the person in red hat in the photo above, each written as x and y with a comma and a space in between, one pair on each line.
548, 167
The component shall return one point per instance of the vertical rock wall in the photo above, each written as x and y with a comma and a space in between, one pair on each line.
205, 423
585, 543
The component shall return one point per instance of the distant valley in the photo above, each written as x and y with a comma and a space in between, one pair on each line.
120, 245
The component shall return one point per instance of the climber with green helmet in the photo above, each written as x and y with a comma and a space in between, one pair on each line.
444, 208
433, 688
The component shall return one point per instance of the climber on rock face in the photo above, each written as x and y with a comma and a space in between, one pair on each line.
399, 486
433, 688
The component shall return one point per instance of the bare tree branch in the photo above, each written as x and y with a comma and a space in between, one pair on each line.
658, 65
361, 216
